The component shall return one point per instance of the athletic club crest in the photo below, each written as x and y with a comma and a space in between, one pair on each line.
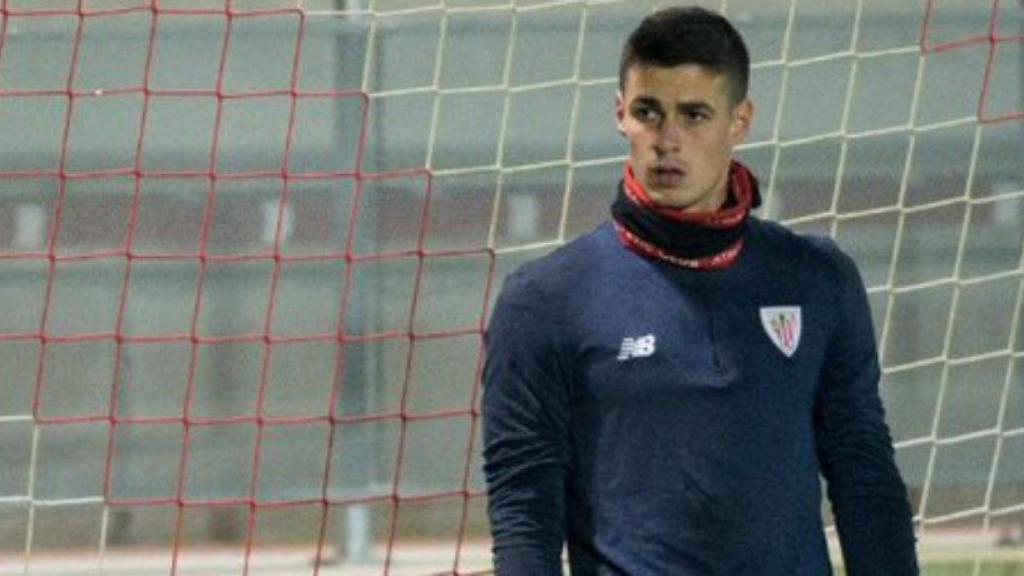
782, 323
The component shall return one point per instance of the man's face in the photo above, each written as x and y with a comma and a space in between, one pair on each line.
682, 126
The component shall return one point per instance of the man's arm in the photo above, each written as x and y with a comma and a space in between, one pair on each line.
869, 499
526, 434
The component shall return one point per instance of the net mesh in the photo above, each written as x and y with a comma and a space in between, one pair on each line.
249, 249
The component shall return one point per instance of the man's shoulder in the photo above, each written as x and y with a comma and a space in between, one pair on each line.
804, 251
778, 236
565, 267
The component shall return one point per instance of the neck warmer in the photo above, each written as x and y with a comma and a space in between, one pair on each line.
702, 240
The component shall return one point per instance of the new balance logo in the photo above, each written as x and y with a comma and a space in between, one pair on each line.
636, 348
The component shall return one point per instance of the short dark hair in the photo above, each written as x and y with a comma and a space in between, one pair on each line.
689, 35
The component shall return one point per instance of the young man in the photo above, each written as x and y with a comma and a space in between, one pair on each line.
662, 393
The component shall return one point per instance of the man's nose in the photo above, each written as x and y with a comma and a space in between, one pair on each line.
668, 138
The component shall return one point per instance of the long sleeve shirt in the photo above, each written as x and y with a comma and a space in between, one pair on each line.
661, 420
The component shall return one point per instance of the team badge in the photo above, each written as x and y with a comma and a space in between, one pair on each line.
782, 324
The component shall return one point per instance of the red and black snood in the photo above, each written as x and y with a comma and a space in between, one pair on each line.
702, 240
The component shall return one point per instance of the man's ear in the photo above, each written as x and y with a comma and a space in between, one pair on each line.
742, 120
620, 112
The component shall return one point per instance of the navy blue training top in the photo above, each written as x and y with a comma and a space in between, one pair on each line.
643, 414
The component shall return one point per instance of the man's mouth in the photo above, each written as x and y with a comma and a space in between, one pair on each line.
666, 176
668, 170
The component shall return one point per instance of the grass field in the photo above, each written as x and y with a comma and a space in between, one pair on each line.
987, 569
966, 568
940, 556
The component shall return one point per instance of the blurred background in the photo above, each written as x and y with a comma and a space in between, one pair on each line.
247, 252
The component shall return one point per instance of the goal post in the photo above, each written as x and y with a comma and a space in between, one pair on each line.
248, 250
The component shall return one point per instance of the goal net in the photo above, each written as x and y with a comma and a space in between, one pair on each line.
248, 249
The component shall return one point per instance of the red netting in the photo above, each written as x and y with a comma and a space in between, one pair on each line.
1003, 47
131, 256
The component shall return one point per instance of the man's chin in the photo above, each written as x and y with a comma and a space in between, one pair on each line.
683, 202
675, 199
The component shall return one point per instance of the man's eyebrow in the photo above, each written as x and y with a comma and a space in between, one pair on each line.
648, 101
695, 106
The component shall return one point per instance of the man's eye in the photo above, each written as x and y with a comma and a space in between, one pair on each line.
696, 116
645, 114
